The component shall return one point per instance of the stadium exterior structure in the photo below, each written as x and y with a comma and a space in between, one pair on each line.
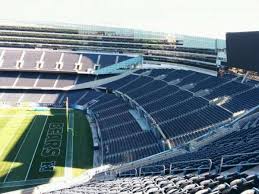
147, 120
153, 46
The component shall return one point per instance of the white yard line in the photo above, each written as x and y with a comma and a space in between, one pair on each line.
36, 148
10, 169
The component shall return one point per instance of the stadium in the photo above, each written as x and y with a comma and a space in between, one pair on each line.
97, 109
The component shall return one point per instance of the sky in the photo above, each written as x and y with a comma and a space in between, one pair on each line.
210, 18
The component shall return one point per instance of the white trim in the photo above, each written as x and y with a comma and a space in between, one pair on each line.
1, 58
42, 97
36, 81
117, 59
98, 59
15, 82
22, 56
56, 82
76, 80
21, 97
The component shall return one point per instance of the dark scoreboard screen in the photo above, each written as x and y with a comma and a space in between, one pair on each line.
243, 50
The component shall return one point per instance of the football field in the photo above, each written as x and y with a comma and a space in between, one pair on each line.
35, 146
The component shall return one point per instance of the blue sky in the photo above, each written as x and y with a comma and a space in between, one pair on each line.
212, 18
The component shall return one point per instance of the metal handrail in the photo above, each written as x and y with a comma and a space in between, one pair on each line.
191, 161
121, 174
234, 165
151, 172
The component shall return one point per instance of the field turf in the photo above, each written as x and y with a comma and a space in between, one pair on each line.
33, 145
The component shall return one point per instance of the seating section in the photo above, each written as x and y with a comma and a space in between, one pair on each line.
209, 87
193, 78
243, 101
227, 90
176, 111
69, 60
26, 80
177, 74
239, 79
121, 82
209, 83
11, 96
62, 61
192, 122
238, 142
66, 80
88, 60
31, 58
50, 60
122, 138
82, 79
179, 113
188, 173
106, 60
182, 112
45, 80
162, 184
52, 97
8, 78
15, 97
10, 58
31, 96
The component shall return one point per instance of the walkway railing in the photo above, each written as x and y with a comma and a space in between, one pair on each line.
202, 165
152, 170
239, 161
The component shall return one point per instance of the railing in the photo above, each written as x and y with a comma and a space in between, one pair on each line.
161, 169
145, 161
239, 160
133, 172
152, 170
173, 166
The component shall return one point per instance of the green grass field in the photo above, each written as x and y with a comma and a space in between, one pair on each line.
33, 146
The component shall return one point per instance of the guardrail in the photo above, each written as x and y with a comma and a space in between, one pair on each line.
133, 172
239, 160
173, 166
145, 161
152, 170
